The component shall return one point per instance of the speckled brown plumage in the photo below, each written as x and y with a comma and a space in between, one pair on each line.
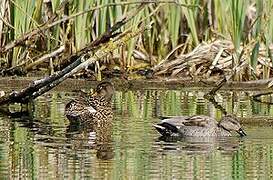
98, 106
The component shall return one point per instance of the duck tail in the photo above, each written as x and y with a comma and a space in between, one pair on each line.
160, 129
166, 129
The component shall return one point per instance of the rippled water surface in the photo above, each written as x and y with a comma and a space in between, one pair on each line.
42, 145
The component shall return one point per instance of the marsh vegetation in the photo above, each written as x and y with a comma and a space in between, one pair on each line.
192, 39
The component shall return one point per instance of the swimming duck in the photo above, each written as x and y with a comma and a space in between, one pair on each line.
199, 126
93, 107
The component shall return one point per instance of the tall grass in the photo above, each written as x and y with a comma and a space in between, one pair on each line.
22, 23
191, 17
175, 23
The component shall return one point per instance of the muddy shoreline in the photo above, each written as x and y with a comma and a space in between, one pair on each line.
7, 83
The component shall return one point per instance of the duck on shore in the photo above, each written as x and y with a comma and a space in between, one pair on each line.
199, 126
93, 107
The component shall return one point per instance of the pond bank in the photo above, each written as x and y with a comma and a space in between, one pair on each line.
152, 84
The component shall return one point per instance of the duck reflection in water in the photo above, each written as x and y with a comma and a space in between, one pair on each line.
96, 135
198, 145
91, 118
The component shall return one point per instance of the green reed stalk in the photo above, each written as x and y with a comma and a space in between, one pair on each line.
83, 24
21, 23
174, 17
191, 17
268, 27
222, 18
257, 31
132, 43
238, 12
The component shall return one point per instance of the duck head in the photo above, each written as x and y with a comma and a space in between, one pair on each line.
105, 90
231, 123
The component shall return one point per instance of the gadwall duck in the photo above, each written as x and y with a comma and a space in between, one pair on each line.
199, 126
91, 107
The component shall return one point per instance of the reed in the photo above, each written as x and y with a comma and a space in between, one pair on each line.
177, 25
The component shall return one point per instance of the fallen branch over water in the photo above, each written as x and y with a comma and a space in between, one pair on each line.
39, 87
103, 46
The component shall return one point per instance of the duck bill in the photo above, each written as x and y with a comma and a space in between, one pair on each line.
241, 132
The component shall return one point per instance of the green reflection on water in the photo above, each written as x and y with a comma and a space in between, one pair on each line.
40, 146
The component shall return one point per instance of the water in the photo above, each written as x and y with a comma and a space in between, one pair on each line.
42, 145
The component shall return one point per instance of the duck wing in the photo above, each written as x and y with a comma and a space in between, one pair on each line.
199, 120
171, 125
175, 121
78, 108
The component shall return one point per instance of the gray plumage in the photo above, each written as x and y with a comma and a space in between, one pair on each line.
199, 126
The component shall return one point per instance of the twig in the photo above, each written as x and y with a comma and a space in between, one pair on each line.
216, 104
256, 97
226, 78
46, 57
218, 86
172, 51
